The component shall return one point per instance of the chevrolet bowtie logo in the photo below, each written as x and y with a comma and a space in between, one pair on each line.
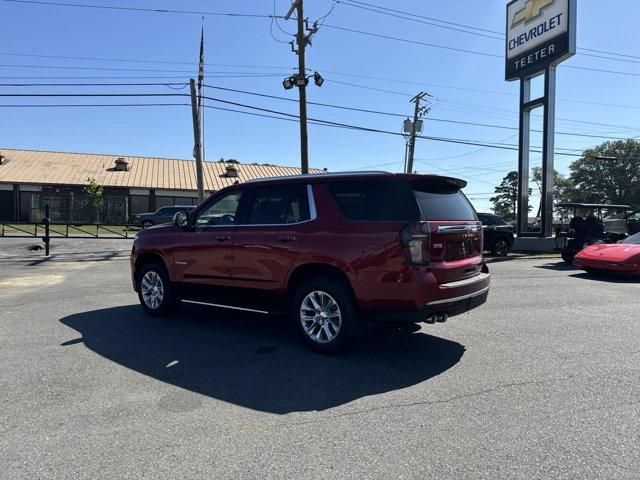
532, 10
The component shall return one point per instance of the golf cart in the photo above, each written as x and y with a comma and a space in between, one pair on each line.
591, 223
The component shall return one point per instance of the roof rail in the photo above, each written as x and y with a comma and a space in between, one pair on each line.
322, 175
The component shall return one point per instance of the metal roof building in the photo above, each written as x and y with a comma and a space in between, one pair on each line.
147, 182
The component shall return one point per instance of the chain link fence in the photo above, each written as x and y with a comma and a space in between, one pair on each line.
80, 209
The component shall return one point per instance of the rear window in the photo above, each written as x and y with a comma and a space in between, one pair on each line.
442, 201
375, 200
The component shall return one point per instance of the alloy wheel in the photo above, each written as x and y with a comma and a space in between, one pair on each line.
152, 290
501, 248
320, 316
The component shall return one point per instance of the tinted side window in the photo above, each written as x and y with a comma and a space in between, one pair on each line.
221, 211
375, 200
278, 205
298, 206
485, 219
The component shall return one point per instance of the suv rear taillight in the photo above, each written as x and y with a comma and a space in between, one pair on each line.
414, 238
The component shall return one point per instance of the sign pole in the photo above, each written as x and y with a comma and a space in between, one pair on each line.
523, 157
547, 151
540, 35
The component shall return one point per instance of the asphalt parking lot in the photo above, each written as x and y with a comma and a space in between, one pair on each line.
543, 381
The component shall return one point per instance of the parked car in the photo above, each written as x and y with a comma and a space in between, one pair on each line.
498, 234
621, 257
333, 250
162, 215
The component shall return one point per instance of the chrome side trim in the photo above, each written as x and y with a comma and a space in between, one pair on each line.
466, 281
229, 307
458, 228
457, 299
321, 175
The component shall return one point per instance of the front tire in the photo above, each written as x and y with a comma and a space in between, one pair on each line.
500, 247
155, 291
325, 314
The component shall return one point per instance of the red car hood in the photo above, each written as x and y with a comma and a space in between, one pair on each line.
610, 252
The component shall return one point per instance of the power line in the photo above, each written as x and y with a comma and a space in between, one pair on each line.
93, 95
469, 29
86, 78
342, 107
426, 18
457, 174
279, 115
610, 53
136, 60
483, 108
395, 80
376, 130
64, 67
400, 115
64, 105
424, 22
415, 42
273, 35
111, 84
138, 9
463, 50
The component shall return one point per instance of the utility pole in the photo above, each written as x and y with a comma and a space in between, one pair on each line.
302, 70
416, 127
301, 79
197, 139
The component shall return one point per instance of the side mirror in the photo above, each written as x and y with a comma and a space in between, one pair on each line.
181, 219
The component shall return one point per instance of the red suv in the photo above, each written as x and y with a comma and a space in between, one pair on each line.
334, 250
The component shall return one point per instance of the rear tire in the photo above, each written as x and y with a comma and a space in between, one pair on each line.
155, 291
325, 315
567, 256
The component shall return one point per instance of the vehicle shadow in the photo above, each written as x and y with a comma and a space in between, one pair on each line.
558, 266
256, 362
607, 277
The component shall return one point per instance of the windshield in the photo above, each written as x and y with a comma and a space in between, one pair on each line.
633, 239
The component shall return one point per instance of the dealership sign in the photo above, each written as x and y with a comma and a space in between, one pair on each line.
540, 33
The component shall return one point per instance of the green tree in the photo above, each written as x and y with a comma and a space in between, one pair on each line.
94, 189
505, 203
95, 202
562, 187
608, 173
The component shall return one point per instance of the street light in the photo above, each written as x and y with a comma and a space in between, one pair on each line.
287, 83
317, 79
302, 81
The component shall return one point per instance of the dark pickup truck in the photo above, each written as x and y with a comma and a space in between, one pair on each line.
498, 234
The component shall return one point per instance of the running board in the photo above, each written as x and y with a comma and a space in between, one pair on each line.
232, 307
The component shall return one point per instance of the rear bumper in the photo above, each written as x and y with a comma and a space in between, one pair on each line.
454, 302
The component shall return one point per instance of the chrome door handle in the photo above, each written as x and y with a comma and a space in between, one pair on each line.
223, 238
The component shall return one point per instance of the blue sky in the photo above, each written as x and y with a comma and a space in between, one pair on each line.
464, 87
